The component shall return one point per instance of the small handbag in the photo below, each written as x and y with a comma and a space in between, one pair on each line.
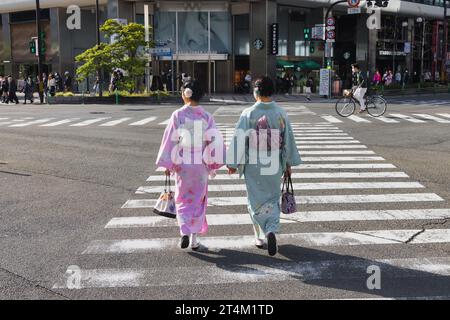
165, 205
288, 204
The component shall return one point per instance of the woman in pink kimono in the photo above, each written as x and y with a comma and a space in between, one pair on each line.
192, 149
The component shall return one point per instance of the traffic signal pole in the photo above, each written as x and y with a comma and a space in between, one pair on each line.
38, 48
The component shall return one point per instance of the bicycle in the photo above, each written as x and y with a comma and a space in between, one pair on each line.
376, 105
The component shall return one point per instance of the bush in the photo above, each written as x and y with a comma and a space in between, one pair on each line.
59, 94
68, 94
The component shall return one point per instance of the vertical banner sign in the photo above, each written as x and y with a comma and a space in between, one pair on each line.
325, 76
273, 36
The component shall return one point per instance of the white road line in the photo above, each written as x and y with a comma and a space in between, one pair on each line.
321, 135
332, 137
407, 118
329, 166
301, 186
336, 146
369, 215
332, 239
317, 131
387, 120
445, 115
362, 158
143, 121
114, 122
329, 142
430, 117
157, 221
165, 122
357, 119
339, 152
4, 118
57, 123
88, 122
312, 175
255, 273
331, 119
352, 198
30, 123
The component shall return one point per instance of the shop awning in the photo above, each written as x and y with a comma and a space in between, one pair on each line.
303, 65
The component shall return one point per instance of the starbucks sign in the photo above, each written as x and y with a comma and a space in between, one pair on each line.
258, 44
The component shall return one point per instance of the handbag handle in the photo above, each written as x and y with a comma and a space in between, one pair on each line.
167, 184
287, 181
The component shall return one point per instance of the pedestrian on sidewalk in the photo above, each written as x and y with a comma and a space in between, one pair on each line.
40, 88
52, 85
12, 88
192, 131
5, 89
28, 90
376, 77
308, 88
263, 122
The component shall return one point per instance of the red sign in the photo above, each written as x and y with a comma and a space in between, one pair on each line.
353, 3
330, 22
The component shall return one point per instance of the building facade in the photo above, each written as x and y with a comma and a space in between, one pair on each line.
219, 42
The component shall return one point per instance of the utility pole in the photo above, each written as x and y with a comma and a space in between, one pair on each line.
444, 44
38, 30
97, 26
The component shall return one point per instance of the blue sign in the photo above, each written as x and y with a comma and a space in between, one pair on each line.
160, 51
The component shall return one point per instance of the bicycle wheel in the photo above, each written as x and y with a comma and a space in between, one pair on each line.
345, 106
376, 106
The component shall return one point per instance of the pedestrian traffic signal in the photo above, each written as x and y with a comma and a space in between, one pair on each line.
32, 45
42, 48
312, 49
307, 33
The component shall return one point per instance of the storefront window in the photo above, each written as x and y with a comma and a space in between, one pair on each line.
164, 26
220, 32
301, 48
193, 32
242, 34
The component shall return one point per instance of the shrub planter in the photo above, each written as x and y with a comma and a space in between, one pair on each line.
112, 100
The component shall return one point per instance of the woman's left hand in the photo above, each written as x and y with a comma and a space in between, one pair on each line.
288, 171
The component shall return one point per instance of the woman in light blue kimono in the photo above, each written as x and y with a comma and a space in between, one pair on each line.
263, 149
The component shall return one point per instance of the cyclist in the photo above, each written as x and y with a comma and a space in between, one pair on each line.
359, 86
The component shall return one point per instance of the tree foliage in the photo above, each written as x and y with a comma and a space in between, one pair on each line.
124, 51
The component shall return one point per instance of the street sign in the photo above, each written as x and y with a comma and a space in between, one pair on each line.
407, 48
160, 51
353, 10
274, 39
328, 49
318, 32
331, 36
325, 77
331, 22
353, 3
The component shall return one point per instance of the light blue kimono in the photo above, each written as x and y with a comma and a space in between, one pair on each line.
263, 177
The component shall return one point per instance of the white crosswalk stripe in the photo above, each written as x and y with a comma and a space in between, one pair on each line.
339, 181
445, 115
430, 117
58, 123
407, 118
387, 120
143, 121
358, 119
331, 119
254, 273
89, 122
114, 122
25, 124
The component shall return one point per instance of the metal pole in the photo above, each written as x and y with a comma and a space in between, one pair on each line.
395, 46
422, 54
444, 44
326, 18
97, 26
38, 30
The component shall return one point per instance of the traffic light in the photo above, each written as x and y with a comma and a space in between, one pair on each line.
311, 47
42, 47
32, 45
307, 33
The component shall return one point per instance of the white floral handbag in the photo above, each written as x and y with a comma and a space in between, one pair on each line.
165, 205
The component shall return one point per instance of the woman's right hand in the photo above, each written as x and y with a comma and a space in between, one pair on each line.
288, 171
167, 172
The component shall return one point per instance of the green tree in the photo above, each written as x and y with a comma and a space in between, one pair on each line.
123, 51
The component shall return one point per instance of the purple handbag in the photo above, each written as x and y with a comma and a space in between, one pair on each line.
288, 204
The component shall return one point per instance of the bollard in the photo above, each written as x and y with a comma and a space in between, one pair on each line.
117, 96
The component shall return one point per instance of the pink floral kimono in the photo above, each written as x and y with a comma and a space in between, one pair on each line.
192, 148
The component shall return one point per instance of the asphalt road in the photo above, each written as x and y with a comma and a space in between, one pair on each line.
63, 186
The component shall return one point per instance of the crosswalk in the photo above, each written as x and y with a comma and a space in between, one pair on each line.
74, 122
440, 118
331, 186
321, 129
